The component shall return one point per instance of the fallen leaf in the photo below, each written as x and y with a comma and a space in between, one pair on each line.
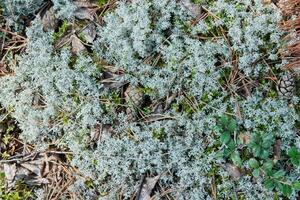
49, 20
245, 138
3, 69
277, 150
10, 171
33, 167
77, 46
23, 174
170, 99
95, 133
147, 187
65, 40
89, 33
193, 8
83, 13
234, 171
85, 10
157, 107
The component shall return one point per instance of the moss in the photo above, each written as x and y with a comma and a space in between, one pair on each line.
61, 30
19, 192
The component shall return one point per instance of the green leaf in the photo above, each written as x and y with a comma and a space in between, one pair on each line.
279, 186
232, 125
296, 185
295, 161
225, 137
224, 120
256, 173
236, 159
231, 145
257, 150
268, 165
253, 163
279, 174
217, 129
267, 141
269, 184
264, 154
293, 152
227, 152
287, 190
219, 155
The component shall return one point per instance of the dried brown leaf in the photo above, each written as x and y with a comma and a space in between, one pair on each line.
10, 171
234, 171
89, 33
193, 8
147, 187
83, 13
277, 150
85, 10
49, 20
84, 4
245, 138
77, 46
65, 40
95, 133
33, 167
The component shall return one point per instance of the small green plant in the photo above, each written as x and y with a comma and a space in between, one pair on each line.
294, 156
61, 30
19, 192
261, 144
102, 2
276, 178
226, 128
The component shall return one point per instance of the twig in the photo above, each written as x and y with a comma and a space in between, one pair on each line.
12, 33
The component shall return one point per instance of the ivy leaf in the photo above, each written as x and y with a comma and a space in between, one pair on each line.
225, 137
253, 163
267, 141
296, 185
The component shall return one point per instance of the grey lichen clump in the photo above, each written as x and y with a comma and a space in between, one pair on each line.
170, 56
19, 13
50, 93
